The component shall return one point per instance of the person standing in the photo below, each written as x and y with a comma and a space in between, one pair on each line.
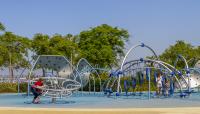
159, 84
167, 88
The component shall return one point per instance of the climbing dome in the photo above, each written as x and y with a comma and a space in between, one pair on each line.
58, 75
141, 74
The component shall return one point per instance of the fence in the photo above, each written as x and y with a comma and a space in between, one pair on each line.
7, 79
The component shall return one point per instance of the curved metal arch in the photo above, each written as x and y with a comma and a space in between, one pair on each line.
132, 48
197, 64
170, 66
106, 83
93, 69
174, 71
164, 66
110, 81
194, 59
136, 62
132, 63
144, 68
180, 57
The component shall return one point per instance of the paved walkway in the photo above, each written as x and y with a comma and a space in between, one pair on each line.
14, 100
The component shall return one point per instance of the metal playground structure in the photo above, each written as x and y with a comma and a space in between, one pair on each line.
62, 79
135, 73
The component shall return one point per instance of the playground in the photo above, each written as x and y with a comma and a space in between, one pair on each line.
133, 85
136, 77
100, 57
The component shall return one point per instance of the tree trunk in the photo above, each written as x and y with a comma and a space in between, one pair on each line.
43, 72
12, 74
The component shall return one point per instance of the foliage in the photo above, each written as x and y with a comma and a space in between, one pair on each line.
65, 45
55, 45
14, 46
185, 49
12, 87
14, 51
103, 45
8, 87
23, 87
2, 27
3, 56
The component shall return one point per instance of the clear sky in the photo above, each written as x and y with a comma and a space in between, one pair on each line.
158, 23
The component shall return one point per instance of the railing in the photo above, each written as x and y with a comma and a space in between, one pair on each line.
7, 79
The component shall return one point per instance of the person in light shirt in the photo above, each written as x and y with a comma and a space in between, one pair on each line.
159, 84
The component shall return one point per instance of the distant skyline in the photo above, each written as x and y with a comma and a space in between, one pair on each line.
157, 23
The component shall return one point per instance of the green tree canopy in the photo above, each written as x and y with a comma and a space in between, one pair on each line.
103, 45
40, 44
14, 51
15, 45
2, 27
182, 48
55, 45
3, 56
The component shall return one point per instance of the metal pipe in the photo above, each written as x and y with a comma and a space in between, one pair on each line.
121, 68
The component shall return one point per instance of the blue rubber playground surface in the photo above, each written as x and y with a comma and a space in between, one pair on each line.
100, 101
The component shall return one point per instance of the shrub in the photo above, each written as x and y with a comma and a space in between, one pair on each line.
12, 87
23, 87
8, 87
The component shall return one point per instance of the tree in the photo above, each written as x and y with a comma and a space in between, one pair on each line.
2, 27
2, 48
55, 45
65, 45
196, 58
198, 52
40, 44
103, 45
181, 47
3, 52
14, 50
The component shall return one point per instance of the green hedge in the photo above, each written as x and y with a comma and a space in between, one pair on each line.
12, 87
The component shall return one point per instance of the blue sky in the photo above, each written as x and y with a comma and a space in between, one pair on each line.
157, 23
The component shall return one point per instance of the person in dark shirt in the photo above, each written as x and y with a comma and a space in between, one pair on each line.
36, 89
167, 88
